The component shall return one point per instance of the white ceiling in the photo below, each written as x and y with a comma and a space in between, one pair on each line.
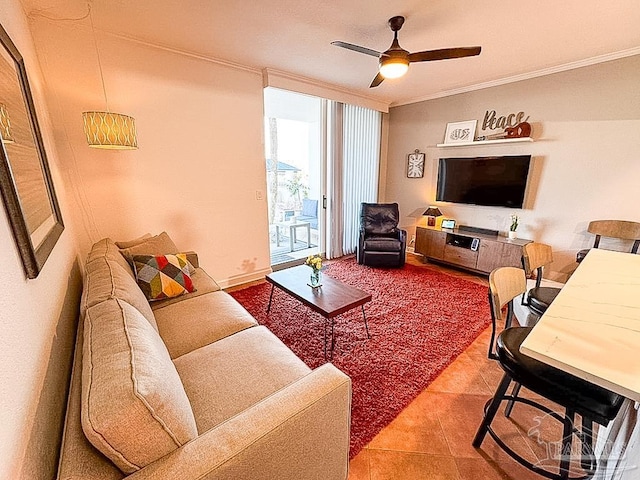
518, 39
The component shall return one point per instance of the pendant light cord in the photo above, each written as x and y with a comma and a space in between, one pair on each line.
95, 42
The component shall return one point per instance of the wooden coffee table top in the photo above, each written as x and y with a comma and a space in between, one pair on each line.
330, 300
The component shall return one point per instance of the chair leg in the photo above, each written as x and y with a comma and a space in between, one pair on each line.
567, 440
588, 460
491, 410
514, 394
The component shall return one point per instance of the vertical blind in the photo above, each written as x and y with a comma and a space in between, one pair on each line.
358, 177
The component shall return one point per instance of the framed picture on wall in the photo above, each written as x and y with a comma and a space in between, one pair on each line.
415, 164
26, 185
460, 132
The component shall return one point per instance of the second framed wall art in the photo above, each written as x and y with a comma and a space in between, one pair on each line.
460, 132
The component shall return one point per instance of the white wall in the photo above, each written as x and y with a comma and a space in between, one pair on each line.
586, 157
37, 317
200, 160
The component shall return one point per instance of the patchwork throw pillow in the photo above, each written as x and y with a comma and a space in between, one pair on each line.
163, 276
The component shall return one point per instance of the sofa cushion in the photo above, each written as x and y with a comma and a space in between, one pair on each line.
309, 208
106, 279
382, 244
158, 245
106, 248
226, 377
78, 457
162, 276
202, 283
134, 407
199, 321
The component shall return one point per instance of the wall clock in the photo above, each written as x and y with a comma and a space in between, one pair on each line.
415, 165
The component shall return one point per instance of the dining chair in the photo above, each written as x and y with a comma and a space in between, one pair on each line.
621, 229
535, 257
577, 396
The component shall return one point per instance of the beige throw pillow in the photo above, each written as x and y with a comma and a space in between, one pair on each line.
134, 242
158, 245
134, 407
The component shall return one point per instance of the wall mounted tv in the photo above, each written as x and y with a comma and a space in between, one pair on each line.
491, 181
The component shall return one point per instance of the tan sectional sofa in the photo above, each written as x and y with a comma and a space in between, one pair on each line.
193, 388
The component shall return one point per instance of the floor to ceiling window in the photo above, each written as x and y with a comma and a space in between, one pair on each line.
322, 163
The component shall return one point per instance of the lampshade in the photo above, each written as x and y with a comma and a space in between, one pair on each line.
5, 125
110, 130
433, 212
393, 67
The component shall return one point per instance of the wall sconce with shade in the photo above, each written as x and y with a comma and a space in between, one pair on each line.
5, 125
113, 131
431, 213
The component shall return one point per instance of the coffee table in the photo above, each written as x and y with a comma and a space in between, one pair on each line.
330, 300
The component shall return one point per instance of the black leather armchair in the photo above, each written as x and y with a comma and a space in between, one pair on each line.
381, 243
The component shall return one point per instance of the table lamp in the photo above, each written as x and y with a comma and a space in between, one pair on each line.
432, 213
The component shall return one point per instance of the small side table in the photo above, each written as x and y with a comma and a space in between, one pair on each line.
293, 226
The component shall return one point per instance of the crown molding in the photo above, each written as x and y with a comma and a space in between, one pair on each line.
279, 79
525, 76
185, 53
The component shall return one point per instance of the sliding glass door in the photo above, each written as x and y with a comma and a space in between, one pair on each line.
295, 169
322, 162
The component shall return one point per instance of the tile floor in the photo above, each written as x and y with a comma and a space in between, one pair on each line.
431, 438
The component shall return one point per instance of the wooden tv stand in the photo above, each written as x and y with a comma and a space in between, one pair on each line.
455, 247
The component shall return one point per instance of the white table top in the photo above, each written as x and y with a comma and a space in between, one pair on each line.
592, 328
296, 223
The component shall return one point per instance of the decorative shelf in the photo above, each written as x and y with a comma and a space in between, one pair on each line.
485, 142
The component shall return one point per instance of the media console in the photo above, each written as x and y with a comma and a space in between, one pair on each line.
474, 249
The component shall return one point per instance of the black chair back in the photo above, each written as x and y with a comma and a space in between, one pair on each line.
379, 218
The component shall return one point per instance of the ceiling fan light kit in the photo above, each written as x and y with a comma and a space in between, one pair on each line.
393, 67
394, 62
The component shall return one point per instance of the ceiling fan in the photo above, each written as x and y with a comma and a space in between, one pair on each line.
395, 61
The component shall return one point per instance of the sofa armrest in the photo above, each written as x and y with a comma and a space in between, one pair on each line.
300, 432
193, 259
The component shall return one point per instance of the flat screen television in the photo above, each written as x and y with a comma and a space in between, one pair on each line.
491, 181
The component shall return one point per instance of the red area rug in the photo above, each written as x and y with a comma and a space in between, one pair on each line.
420, 320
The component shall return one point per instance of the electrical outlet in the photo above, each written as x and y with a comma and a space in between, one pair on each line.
259, 195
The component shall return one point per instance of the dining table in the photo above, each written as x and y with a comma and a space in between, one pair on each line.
592, 328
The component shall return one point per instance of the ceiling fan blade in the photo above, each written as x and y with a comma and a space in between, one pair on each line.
377, 80
444, 53
357, 48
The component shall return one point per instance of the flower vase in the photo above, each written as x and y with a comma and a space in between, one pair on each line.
315, 279
512, 235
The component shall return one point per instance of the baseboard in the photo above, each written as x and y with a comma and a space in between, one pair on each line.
244, 278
